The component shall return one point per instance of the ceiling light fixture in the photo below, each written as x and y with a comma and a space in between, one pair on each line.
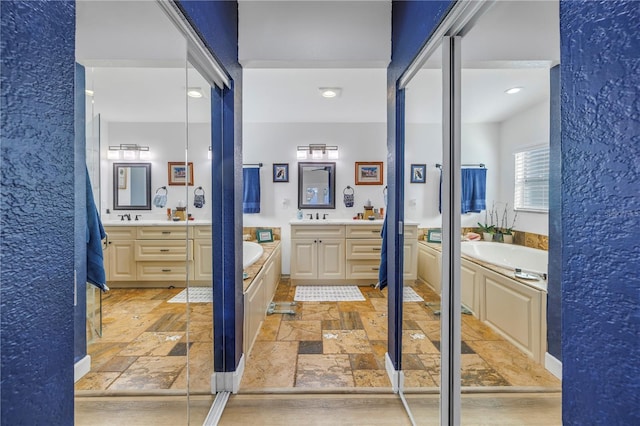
88, 92
317, 151
195, 92
330, 92
128, 151
513, 90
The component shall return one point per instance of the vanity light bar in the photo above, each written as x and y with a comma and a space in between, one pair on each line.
128, 151
317, 151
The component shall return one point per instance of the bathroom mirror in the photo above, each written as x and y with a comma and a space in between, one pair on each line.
316, 185
132, 186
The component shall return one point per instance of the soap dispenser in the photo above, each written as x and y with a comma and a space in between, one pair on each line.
299, 215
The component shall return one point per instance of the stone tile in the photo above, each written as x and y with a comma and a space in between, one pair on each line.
315, 311
379, 349
474, 329
270, 326
169, 322
372, 293
431, 329
345, 342
152, 344
416, 311
476, 372
199, 332
152, 372
300, 330
371, 379
416, 342
270, 365
418, 379
375, 324
365, 306
464, 348
318, 371
125, 327
513, 365
350, 321
380, 305
96, 381
331, 324
310, 348
411, 362
101, 352
363, 362
180, 349
410, 325
116, 364
200, 369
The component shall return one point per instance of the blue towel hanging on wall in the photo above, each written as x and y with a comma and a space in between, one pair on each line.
251, 190
382, 272
474, 190
95, 234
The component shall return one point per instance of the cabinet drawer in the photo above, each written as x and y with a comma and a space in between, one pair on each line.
203, 232
164, 232
163, 250
410, 232
363, 231
367, 269
313, 231
163, 271
121, 232
364, 249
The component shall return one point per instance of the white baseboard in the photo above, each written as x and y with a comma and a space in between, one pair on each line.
391, 372
553, 365
81, 368
228, 381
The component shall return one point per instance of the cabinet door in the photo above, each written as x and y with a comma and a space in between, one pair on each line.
429, 267
304, 262
469, 289
202, 256
122, 265
331, 259
410, 258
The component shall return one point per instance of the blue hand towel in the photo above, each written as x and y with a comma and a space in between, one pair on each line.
95, 234
474, 190
160, 200
382, 272
251, 190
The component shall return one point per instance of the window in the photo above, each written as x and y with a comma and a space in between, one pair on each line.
532, 180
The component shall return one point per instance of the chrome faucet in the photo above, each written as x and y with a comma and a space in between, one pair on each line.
317, 215
324, 215
138, 216
310, 216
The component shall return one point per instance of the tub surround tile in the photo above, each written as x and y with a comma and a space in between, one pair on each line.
318, 371
270, 365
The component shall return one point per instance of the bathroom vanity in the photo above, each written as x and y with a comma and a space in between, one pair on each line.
155, 253
344, 251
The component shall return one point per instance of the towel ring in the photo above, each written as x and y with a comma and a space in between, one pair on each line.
195, 191
162, 187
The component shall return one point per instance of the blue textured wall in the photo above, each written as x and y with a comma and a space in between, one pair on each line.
554, 283
600, 65
217, 24
412, 24
37, 213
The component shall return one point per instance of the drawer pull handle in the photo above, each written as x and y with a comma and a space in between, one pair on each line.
376, 231
166, 232
166, 270
164, 250
375, 269
376, 248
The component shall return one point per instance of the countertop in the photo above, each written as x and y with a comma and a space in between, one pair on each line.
509, 273
341, 222
156, 222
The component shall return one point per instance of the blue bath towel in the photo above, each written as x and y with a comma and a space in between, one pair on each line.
95, 234
382, 272
251, 190
474, 190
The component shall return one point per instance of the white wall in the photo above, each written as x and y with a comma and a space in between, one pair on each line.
166, 142
526, 129
276, 143
480, 144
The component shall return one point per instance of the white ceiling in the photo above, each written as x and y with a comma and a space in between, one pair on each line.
291, 48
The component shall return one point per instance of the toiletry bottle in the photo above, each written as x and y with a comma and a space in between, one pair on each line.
299, 215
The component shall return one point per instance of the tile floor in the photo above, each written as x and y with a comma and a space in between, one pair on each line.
324, 345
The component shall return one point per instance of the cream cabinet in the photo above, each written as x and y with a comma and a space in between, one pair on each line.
429, 266
152, 256
344, 253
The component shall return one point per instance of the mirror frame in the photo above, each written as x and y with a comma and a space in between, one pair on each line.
116, 204
332, 186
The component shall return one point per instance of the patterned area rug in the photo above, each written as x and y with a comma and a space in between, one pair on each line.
328, 293
409, 295
196, 295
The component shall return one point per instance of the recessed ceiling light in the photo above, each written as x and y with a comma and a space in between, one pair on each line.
330, 92
513, 90
194, 92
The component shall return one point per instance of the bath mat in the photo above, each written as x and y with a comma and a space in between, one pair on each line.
410, 295
196, 295
328, 293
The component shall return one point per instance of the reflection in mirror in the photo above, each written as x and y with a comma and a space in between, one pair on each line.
316, 185
132, 186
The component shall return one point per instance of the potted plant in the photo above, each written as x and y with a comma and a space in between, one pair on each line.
507, 232
489, 229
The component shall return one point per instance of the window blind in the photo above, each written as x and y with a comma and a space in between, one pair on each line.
532, 179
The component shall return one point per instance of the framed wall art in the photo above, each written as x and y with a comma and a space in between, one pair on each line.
418, 173
281, 172
369, 173
180, 173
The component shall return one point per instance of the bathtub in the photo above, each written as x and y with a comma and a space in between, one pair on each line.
251, 252
508, 256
